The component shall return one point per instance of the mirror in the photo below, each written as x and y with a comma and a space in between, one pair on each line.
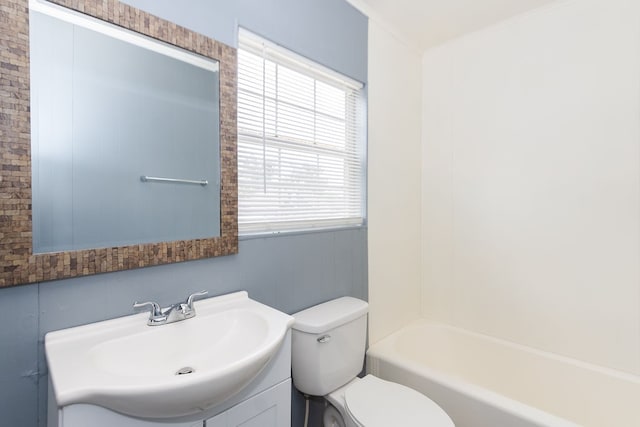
124, 136
158, 182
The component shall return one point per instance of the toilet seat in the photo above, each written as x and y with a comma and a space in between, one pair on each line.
372, 402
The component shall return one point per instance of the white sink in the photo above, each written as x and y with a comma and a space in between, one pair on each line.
129, 367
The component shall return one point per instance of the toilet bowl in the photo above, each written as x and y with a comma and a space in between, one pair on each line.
373, 402
328, 345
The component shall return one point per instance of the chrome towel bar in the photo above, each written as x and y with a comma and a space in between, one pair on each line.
145, 178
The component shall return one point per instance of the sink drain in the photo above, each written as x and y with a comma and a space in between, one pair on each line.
185, 371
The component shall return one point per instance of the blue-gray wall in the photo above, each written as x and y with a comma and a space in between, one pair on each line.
287, 272
330, 32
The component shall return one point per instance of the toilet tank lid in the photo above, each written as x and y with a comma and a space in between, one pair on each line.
326, 316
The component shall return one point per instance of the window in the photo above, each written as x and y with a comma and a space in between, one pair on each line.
300, 142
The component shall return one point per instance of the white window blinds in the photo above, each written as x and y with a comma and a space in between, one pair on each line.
300, 148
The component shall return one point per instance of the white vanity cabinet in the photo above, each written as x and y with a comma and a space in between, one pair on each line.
265, 402
270, 408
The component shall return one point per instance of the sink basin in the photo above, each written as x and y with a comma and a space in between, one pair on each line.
166, 371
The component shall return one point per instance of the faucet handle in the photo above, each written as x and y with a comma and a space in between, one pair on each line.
195, 296
155, 308
156, 316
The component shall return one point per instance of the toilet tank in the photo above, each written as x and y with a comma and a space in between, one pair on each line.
328, 345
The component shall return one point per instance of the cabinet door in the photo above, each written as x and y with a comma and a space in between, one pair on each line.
271, 408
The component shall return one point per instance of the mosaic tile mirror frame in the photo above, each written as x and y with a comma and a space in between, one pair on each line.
18, 263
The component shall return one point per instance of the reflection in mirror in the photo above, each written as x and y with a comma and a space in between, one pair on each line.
109, 108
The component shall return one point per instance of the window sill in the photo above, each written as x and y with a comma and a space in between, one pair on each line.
269, 234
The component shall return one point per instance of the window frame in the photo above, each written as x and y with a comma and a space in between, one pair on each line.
251, 43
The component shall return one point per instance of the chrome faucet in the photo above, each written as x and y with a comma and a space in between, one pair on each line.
173, 313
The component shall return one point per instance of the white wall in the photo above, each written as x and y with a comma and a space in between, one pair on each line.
531, 181
393, 183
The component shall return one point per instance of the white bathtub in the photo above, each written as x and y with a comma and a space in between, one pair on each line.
481, 381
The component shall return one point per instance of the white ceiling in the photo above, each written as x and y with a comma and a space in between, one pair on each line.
426, 23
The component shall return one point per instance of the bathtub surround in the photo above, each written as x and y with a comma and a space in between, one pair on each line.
529, 227
531, 182
287, 272
394, 181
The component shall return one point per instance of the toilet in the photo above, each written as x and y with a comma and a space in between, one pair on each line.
328, 346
